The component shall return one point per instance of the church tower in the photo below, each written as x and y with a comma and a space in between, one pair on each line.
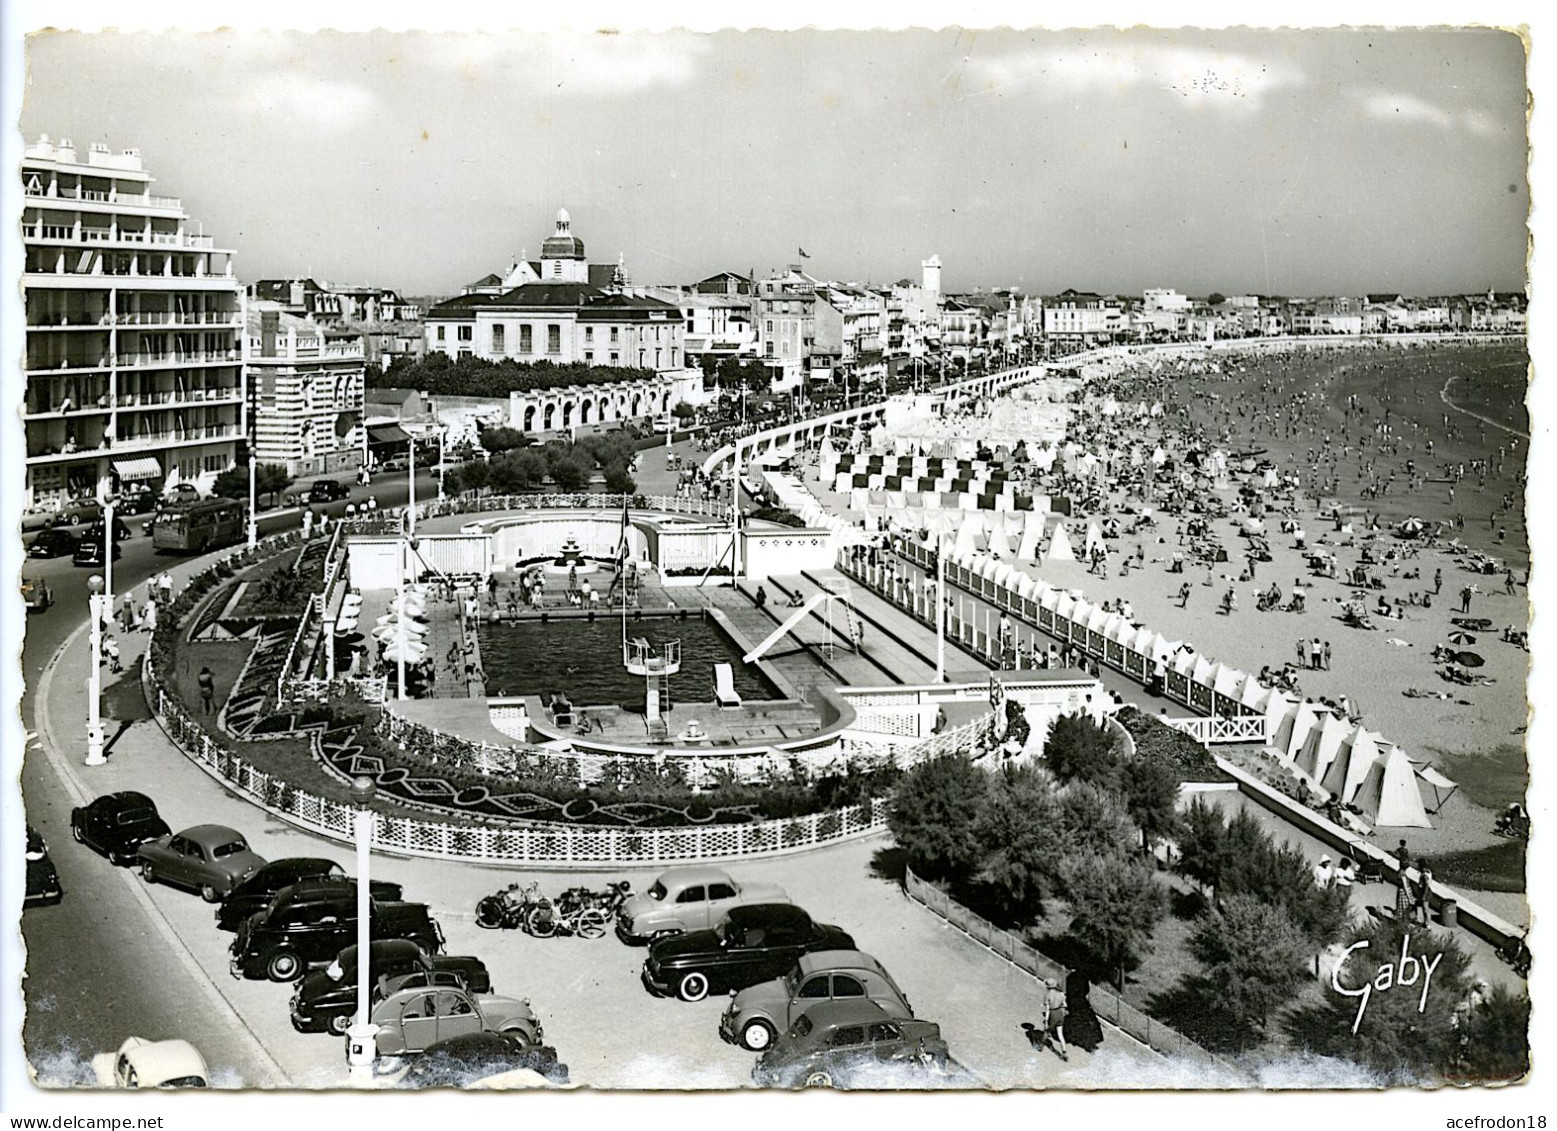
562, 255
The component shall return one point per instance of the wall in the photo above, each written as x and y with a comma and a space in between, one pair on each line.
765, 553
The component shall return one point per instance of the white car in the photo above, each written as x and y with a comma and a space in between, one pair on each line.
140, 1063
688, 899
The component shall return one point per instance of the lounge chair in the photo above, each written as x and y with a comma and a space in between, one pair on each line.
724, 686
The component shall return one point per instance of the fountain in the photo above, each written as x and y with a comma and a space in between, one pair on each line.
570, 561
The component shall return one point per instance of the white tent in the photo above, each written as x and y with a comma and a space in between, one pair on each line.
1360, 757
1295, 730
1059, 546
999, 543
1390, 796
1094, 540
1443, 787
967, 537
859, 499
1032, 536
1323, 748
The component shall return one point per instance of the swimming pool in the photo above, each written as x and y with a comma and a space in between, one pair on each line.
583, 659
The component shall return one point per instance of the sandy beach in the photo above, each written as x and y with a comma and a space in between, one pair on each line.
1321, 416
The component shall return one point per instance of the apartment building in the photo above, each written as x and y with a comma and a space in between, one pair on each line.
133, 362
306, 392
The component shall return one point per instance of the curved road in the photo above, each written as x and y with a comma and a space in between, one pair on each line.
101, 965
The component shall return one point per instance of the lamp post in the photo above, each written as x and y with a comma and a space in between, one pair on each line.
410, 509
443, 458
94, 755
940, 610
253, 465
362, 1049
400, 622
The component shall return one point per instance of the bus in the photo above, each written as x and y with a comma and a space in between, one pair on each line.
199, 526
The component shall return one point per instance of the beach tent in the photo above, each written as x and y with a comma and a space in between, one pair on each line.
1279, 711
1032, 536
1252, 695
999, 543
1324, 746
967, 538
859, 499
1390, 796
1443, 788
1025, 585
1295, 731
1059, 546
896, 500
1094, 539
1350, 767
1159, 457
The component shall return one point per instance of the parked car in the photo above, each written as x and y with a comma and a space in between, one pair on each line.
52, 544
78, 512
121, 531
182, 493
393, 464
751, 944
140, 1063
485, 1060
325, 999
688, 899
136, 500
43, 887
36, 594
89, 549
309, 923
256, 892
847, 1042
758, 1014
327, 491
117, 824
412, 1020
38, 516
212, 859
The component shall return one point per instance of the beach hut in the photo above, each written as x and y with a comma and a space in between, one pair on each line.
1279, 710
1032, 536
967, 538
859, 499
1094, 540
1226, 683
998, 542
1390, 796
1060, 549
1324, 746
896, 499
1295, 730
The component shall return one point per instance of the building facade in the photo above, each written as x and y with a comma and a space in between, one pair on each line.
306, 392
133, 360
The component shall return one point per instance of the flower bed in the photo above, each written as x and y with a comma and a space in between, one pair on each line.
1159, 742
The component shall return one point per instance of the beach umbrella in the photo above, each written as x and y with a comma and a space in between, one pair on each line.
1468, 659
1461, 637
412, 652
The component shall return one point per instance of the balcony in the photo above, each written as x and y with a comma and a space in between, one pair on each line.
175, 436
179, 318
67, 320
41, 366
176, 359
97, 196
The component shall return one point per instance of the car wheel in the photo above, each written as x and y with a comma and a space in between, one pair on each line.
339, 1023
756, 1036
119, 859
148, 873
282, 966
819, 1080
75, 833
693, 987
209, 893
75, 520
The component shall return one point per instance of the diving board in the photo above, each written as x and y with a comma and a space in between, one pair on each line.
806, 609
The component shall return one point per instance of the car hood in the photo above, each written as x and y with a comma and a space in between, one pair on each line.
639, 904
770, 998
692, 944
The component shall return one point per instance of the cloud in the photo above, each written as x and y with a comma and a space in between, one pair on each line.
331, 104
599, 63
1197, 76
1390, 106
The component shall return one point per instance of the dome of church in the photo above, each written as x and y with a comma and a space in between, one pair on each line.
562, 244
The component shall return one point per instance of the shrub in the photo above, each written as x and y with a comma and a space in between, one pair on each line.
1115, 904
934, 816
1252, 962
1156, 741
1078, 748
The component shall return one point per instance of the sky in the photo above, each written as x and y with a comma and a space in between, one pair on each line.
1277, 162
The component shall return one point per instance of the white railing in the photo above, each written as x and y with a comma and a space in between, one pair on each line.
1212, 729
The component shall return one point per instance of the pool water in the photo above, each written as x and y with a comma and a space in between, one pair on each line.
583, 659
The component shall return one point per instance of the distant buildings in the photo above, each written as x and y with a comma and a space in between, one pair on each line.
306, 392
132, 360
389, 325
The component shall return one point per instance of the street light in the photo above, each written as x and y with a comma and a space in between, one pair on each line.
361, 1048
95, 674
253, 463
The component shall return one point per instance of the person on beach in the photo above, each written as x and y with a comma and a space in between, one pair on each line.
1316, 654
1302, 653
1437, 581
1325, 656
206, 681
1424, 896
1184, 591
1465, 598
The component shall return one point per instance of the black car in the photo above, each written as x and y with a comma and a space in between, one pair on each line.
327, 491
326, 1000
256, 892
472, 1058
140, 501
89, 550
43, 886
751, 944
117, 824
52, 543
309, 922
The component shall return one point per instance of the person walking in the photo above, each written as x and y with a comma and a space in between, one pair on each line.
1508, 580
165, 587
127, 612
1184, 591
1326, 656
111, 650
1437, 581
1316, 654
1054, 1017
207, 684
1424, 896
1465, 596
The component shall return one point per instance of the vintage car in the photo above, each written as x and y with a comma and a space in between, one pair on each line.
182, 493
848, 1042
688, 899
310, 922
412, 1020
117, 824
758, 1014
135, 500
38, 516
79, 511
89, 549
140, 1063
212, 859
750, 945
43, 887
52, 544
492, 1061
327, 491
256, 892
36, 594
325, 999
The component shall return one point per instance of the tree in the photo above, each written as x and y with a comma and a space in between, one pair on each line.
569, 473
1202, 843
1252, 962
934, 816
1151, 793
1092, 820
1076, 747
1215, 298
470, 477
683, 411
497, 440
1019, 825
1115, 903
231, 484
618, 480
1496, 1043
270, 479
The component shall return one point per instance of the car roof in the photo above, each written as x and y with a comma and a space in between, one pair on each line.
171, 1059
128, 798
385, 949
846, 1011
305, 867
694, 874
212, 834
767, 913
817, 960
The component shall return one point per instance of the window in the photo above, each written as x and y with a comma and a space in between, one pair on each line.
721, 891
815, 988
770, 325
689, 325
767, 350
848, 1036
881, 1032
467, 333
640, 359
217, 464
526, 345
613, 335
440, 333
589, 335
556, 268
673, 352
691, 895
589, 357
846, 986
616, 358
656, 359
553, 338
498, 345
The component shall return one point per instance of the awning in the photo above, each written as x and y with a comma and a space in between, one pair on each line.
1443, 788
145, 467
387, 434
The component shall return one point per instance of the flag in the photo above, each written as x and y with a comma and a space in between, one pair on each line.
803, 254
